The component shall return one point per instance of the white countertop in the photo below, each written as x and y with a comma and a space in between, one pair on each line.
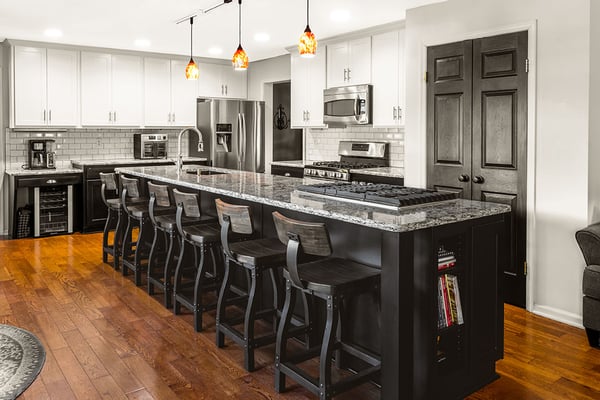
22, 172
131, 161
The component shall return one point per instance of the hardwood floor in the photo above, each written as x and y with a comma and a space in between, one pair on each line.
106, 338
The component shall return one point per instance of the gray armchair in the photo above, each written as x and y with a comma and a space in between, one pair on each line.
589, 242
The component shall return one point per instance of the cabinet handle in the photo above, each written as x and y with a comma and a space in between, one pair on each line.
226, 90
222, 89
345, 74
287, 174
395, 114
169, 118
44, 115
51, 181
463, 178
109, 116
114, 116
349, 77
399, 113
307, 115
173, 120
478, 179
49, 116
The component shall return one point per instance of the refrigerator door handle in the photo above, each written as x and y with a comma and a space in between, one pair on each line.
244, 136
239, 141
258, 145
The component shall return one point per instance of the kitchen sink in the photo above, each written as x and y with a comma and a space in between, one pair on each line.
203, 172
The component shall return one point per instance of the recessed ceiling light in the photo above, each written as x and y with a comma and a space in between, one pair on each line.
142, 42
262, 37
215, 51
340, 15
52, 32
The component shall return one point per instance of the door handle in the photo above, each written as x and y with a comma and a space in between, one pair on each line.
464, 178
478, 179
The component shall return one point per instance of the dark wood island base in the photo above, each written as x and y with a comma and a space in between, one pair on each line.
438, 323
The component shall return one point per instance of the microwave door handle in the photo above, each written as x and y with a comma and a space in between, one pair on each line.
357, 108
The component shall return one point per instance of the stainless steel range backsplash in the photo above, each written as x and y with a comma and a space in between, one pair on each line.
82, 144
322, 144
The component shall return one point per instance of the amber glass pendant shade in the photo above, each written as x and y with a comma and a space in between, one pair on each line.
240, 59
191, 70
307, 46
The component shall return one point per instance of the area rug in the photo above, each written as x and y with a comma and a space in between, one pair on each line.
22, 357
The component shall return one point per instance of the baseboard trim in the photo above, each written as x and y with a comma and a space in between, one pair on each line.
558, 315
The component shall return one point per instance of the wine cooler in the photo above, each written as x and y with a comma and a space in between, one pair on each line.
53, 210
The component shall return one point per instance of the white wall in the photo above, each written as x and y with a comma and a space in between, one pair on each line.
561, 136
594, 139
261, 76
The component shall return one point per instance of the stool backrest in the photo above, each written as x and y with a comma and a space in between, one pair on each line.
313, 236
161, 194
109, 180
189, 202
239, 216
130, 185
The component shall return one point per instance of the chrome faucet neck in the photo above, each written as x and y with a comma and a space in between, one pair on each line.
179, 161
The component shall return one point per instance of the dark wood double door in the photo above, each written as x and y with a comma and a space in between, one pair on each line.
477, 132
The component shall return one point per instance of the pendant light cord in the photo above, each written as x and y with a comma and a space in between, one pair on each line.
307, 13
191, 38
240, 22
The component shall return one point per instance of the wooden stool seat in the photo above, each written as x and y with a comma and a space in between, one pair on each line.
203, 234
169, 221
115, 204
333, 280
336, 276
259, 253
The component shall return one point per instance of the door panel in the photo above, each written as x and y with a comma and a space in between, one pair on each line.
477, 105
449, 125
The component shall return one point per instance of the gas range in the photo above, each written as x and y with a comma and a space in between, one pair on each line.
354, 155
382, 195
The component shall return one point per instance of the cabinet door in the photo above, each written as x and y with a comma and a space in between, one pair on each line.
30, 86
157, 92
359, 61
209, 81
235, 82
127, 90
62, 87
299, 90
315, 84
337, 64
95, 89
183, 96
385, 79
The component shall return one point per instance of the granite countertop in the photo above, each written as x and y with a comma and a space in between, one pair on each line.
394, 172
91, 163
293, 163
279, 191
23, 172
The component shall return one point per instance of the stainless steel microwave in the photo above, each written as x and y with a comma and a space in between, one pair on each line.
347, 105
150, 145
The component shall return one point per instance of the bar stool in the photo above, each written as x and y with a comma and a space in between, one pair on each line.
109, 183
160, 260
136, 211
254, 256
328, 278
192, 280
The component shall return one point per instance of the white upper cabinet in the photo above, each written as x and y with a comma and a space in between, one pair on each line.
349, 63
169, 98
45, 87
111, 89
388, 79
308, 81
219, 80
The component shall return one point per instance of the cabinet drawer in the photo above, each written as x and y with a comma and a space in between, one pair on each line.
48, 180
296, 172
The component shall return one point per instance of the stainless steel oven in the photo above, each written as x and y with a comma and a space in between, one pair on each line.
347, 105
150, 145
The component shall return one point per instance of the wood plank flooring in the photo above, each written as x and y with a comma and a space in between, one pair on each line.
106, 338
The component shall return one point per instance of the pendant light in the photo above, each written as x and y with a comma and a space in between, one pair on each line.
191, 71
307, 46
240, 58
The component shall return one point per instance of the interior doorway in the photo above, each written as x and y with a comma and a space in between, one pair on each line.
477, 133
287, 142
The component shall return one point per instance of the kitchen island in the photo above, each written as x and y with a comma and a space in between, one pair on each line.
435, 340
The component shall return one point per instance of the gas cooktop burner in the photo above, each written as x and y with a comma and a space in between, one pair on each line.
391, 196
344, 165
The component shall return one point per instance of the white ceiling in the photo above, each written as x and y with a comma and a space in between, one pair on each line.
119, 23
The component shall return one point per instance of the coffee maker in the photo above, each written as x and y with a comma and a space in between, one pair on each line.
42, 154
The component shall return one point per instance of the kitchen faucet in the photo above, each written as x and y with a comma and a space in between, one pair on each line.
179, 155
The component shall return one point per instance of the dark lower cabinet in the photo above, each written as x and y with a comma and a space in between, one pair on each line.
296, 172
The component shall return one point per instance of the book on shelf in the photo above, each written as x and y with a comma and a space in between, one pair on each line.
446, 258
449, 304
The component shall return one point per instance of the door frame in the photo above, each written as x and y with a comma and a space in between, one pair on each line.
531, 28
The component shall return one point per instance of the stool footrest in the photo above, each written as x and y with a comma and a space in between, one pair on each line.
361, 353
297, 374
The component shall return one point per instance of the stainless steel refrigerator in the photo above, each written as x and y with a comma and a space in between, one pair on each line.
233, 132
